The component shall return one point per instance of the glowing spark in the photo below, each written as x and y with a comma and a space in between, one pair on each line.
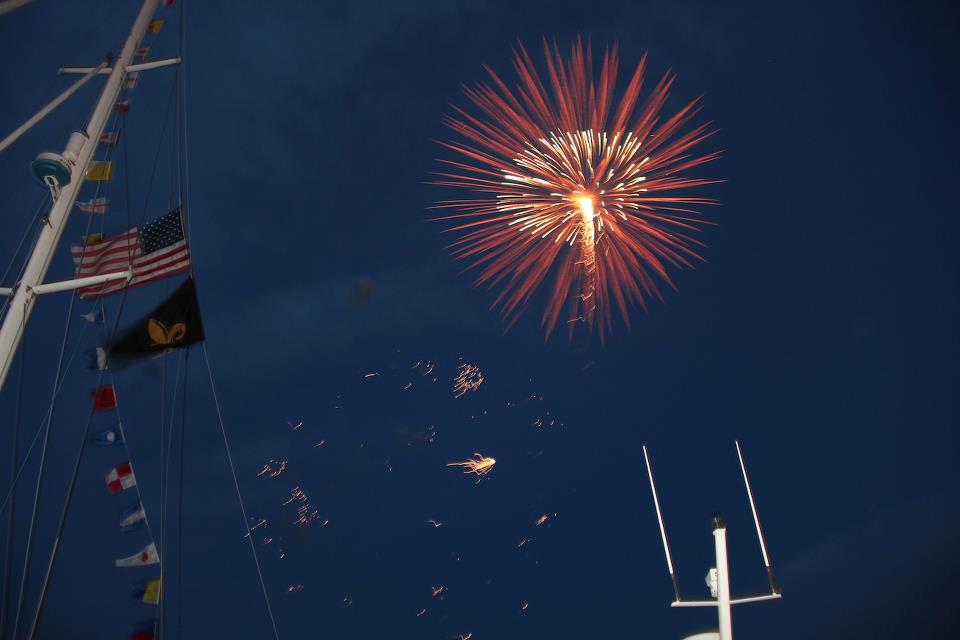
469, 378
523, 542
295, 588
436, 591
525, 606
479, 465
541, 520
422, 612
435, 523
372, 374
572, 192
295, 426
317, 445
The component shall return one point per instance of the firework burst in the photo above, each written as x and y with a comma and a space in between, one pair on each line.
572, 193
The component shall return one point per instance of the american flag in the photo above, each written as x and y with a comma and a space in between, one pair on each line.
157, 251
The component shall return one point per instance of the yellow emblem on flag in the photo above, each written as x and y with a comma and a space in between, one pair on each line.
155, 26
92, 238
100, 171
163, 337
151, 595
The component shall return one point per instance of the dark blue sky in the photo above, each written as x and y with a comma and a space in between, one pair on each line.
821, 332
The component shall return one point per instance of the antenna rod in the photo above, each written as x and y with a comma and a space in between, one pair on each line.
663, 532
756, 521
56, 102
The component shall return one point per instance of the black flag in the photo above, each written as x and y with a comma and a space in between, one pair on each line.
173, 325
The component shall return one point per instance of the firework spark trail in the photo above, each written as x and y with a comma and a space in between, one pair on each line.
570, 188
469, 378
480, 465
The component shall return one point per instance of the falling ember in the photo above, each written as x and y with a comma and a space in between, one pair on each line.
541, 520
480, 465
572, 193
469, 378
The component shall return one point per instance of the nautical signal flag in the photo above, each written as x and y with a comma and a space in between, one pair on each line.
94, 205
146, 630
97, 316
120, 477
122, 106
173, 325
155, 26
96, 360
110, 138
142, 52
146, 556
133, 78
108, 437
100, 171
104, 398
132, 518
148, 592
159, 250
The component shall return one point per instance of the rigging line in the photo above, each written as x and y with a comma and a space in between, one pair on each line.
163, 517
73, 481
43, 459
185, 193
183, 435
126, 450
36, 436
175, 146
126, 186
164, 492
156, 156
23, 265
236, 485
8, 555
26, 233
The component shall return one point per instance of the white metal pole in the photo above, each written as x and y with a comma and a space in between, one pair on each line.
723, 578
23, 300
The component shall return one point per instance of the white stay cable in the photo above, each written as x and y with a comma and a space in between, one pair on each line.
243, 510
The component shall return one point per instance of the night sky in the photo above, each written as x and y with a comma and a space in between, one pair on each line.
820, 331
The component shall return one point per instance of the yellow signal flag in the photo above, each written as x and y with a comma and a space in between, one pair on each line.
101, 171
92, 238
151, 595
155, 26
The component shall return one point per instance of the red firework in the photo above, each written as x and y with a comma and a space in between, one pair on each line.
571, 189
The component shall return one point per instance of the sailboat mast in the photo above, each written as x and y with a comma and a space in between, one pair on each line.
79, 152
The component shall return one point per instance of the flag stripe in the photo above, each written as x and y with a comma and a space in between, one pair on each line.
144, 272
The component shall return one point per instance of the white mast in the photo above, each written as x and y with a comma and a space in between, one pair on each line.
64, 174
